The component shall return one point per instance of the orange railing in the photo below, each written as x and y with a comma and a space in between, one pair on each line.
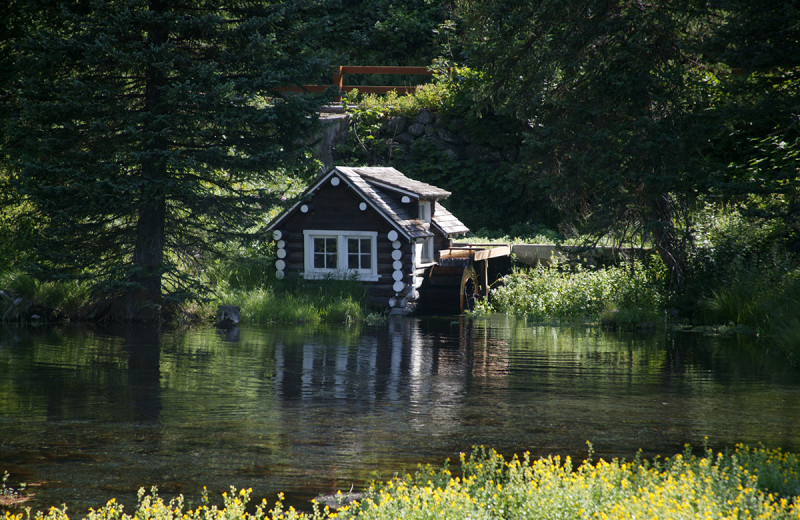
340, 71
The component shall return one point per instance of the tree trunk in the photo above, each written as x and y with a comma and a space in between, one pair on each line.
144, 302
148, 261
671, 247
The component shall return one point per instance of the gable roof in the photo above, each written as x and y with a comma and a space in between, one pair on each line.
388, 207
375, 185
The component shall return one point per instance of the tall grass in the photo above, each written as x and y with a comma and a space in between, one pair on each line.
299, 302
745, 483
23, 295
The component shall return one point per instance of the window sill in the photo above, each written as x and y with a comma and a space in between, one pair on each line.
328, 275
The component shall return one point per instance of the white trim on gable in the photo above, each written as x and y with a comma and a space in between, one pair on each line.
342, 176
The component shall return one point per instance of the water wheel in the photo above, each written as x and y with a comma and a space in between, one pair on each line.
449, 289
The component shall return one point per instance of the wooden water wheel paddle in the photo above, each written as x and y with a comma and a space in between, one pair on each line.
450, 289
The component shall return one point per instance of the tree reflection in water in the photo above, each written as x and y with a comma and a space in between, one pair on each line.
97, 413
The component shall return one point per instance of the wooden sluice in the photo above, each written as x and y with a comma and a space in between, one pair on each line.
462, 274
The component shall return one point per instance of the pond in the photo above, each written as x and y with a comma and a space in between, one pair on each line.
92, 413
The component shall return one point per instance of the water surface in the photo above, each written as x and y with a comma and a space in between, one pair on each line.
94, 413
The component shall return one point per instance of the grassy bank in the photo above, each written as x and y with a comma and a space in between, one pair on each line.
745, 483
25, 299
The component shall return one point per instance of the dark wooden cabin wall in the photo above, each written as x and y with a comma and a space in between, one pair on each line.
337, 208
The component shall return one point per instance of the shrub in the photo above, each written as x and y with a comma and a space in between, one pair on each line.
562, 294
684, 486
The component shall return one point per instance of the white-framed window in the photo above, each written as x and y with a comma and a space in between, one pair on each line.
341, 254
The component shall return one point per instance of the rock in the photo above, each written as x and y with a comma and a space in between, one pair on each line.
425, 117
404, 138
333, 131
448, 137
395, 125
416, 129
339, 499
227, 316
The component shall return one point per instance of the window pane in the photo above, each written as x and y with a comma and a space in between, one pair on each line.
325, 253
427, 250
353, 248
366, 253
359, 253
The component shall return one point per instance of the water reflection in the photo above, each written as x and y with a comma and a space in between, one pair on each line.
96, 413
143, 346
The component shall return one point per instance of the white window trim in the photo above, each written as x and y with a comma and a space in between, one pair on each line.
341, 271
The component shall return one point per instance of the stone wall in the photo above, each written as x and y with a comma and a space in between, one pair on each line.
453, 137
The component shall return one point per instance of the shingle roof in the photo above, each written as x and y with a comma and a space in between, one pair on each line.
376, 185
392, 178
412, 227
448, 222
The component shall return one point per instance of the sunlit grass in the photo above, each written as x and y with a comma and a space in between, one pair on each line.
300, 302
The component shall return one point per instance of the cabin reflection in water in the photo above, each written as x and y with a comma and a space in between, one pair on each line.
393, 364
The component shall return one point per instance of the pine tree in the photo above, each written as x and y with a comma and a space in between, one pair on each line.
145, 130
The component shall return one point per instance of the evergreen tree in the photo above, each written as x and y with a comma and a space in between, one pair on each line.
144, 130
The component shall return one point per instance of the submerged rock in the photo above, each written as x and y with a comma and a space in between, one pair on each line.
227, 316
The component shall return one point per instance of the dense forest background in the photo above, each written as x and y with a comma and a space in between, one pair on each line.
145, 143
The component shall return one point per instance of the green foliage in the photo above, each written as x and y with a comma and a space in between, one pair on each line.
516, 233
482, 169
381, 32
564, 294
19, 284
743, 277
634, 110
473, 182
777, 471
683, 486
742, 274
247, 267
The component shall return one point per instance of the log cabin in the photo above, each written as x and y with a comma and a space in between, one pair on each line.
373, 224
